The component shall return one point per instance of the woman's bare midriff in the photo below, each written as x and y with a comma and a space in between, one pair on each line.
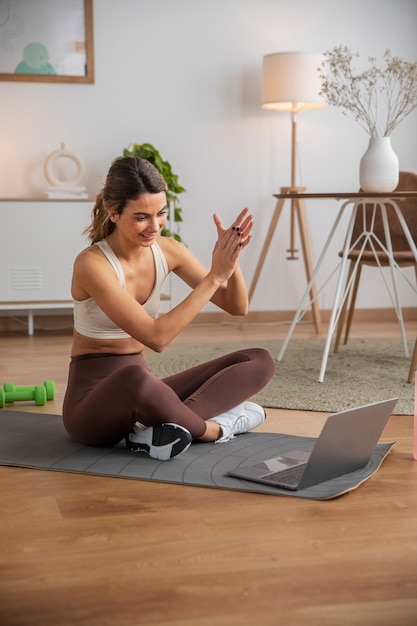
87, 345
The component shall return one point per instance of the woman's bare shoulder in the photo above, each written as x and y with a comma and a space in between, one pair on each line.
174, 251
181, 260
168, 243
91, 252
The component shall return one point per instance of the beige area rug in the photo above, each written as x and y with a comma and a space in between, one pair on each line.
363, 371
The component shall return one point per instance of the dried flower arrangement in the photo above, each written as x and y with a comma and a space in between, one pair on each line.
378, 98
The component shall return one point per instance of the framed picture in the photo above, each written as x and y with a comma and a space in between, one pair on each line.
48, 41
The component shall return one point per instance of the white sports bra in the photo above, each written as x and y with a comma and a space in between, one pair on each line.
91, 321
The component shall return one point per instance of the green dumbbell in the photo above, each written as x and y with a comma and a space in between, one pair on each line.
38, 394
48, 384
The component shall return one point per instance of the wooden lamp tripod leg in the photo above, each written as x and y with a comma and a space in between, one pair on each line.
274, 221
305, 243
300, 211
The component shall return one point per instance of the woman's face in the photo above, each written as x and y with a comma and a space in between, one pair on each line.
143, 218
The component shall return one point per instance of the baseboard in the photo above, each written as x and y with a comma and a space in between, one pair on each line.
61, 322
379, 315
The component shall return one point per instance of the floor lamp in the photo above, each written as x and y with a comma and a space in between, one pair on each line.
291, 82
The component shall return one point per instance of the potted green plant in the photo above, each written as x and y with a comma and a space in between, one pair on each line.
150, 153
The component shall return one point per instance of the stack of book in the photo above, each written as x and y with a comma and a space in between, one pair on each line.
72, 193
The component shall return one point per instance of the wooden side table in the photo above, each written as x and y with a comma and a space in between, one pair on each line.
354, 199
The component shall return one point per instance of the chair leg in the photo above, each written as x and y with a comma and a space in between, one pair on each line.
342, 317
352, 303
413, 365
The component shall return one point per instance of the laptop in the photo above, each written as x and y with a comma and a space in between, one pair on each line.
345, 444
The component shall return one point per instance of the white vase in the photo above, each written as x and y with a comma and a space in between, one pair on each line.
379, 166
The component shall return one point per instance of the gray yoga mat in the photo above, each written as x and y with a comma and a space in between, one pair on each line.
39, 441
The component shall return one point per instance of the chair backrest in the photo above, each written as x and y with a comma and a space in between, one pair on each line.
408, 207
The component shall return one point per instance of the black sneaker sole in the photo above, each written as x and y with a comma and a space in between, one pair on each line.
162, 442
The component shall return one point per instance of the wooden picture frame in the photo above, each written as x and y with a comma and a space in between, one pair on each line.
47, 41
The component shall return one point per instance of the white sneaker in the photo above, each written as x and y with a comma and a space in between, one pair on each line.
160, 442
240, 419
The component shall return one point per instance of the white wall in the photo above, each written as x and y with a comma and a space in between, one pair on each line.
185, 75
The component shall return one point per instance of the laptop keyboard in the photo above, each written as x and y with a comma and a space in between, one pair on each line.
290, 476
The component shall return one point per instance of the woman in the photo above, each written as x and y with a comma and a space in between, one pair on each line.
116, 285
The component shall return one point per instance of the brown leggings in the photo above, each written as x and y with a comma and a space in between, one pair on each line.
107, 394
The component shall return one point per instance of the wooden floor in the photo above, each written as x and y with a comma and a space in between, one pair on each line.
80, 550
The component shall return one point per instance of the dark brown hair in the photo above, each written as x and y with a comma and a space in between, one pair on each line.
127, 179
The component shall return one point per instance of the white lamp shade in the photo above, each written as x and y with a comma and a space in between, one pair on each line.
291, 81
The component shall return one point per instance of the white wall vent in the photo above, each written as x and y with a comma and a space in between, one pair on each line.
26, 278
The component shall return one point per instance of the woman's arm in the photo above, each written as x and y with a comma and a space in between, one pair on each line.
93, 277
231, 296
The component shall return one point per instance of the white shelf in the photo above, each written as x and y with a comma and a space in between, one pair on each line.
41, 238
31, 307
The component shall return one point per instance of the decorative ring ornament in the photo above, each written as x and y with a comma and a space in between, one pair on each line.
50, 163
